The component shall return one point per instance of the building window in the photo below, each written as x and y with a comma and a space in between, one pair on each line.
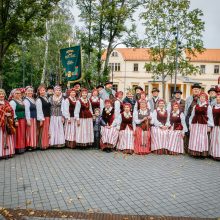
135, 67
202, 69
115, 67
216, 69
114, 54
115, 87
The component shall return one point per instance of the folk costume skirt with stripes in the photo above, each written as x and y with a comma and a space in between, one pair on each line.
43, 134
70, 132
84, 132
215, 142
198, 141
126, 139
31, 134
57, 138
20, 136
175, 142
159, 140
142, 141
109, 137
7, 145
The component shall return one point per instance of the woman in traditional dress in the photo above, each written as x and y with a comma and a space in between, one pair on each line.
215, 133
118, 105
142, 119
109, 133
84, 121
31, 119
7, 130
143, 97
126, 133
201, 122
57, 138
159, 132
177, 130
19, 116
95, 101
43, 118
70, 123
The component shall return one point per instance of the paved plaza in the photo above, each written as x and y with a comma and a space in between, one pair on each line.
95, 181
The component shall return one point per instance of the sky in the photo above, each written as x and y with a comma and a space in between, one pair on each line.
210, 8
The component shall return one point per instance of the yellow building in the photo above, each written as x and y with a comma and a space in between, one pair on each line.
127, 65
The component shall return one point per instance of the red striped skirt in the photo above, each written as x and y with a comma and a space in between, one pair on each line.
31, 134
159, 139
43, 136
109, 136
126, 139
20, 136
176, 142
142, 141
57, 138
215, 142
70, 130
198, 140
7, 145
84, 132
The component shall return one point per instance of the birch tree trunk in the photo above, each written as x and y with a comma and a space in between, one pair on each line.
45, 54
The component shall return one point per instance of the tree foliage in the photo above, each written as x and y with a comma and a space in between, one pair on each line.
173, 31
104, 27
21, 19
28, 55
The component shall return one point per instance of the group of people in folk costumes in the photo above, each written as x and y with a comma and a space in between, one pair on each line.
105, 119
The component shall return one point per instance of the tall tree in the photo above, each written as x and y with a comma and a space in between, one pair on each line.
104, 28
173, 33
21, 19
60, 26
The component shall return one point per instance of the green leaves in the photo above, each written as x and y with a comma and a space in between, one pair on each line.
163, 20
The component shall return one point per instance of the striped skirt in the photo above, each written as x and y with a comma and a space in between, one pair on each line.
84, 132
57, 138
43, 134
142, 141
31, 134
7, 145
215, 142
198, 140
126, 140
20, 136
175, 142
109, 137
159, 139
70, 132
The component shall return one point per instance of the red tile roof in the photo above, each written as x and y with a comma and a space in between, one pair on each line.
142, 54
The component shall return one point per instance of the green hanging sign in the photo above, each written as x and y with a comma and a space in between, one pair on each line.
71, 61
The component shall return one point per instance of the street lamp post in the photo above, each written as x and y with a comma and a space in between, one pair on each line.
112, 74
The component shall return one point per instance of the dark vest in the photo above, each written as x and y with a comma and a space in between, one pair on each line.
20, 110
126, 122
71, 107
95, 104
200, 116
33, 110
162, 118
216, 116
84, 110
175, 121
145, 124
108, 118
45, 107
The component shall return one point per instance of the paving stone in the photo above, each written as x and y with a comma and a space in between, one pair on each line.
152, 184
